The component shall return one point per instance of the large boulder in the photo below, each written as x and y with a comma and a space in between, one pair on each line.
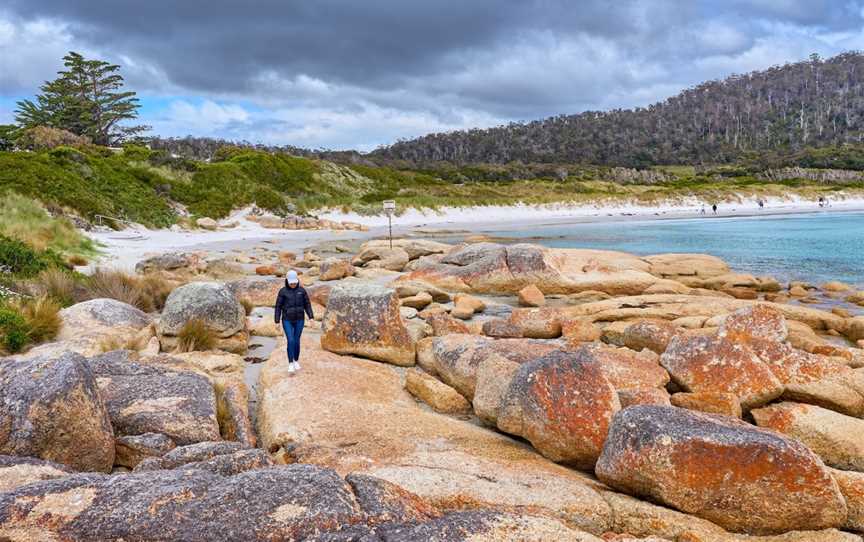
444, 324
624, 368
364, 319
211, 302
259, 291
226, 372
155, 398
382, 257
335, 269
672, 307
654, 335
441, 397
133, 449
531, 296
686, 267
95, 321
837, 439
494, 374
712, 402
190, 454
414, 248
758, 321
17, 471
495, 268
741, 477
538, 323
172, 261
562, 405
455, 358
51, 408
852, 487
718, 363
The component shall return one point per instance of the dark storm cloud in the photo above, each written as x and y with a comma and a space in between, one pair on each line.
218, 45
444, 62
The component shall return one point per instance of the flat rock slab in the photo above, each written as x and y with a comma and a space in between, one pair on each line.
495, 268
836, 438
370, 424
17, 471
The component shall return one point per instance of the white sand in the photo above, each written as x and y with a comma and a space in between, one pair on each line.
125, 248
516, 214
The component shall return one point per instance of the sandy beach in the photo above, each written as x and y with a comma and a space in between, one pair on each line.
123, 249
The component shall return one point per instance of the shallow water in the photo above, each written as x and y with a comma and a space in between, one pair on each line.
815, 247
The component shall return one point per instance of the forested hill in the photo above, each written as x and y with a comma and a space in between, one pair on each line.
811, 103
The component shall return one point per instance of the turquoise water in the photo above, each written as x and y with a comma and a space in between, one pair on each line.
814, 247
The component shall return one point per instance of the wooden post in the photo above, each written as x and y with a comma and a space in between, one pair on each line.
389, 208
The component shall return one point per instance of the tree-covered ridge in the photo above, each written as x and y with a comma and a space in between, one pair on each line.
811, 103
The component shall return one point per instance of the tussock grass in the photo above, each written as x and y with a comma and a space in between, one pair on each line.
57, 284
156, 290
196, 336
248, 306
112, 342
116, 285
148, 292
26, 219
42, 318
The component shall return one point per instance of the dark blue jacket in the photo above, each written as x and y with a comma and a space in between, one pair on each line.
291, 304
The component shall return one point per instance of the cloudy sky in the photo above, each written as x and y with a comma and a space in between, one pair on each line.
360, 73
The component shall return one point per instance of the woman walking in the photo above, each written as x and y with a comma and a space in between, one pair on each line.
292, 306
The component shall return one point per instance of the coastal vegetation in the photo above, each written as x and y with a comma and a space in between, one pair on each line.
140, 185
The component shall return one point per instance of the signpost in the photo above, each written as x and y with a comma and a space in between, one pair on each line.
389, 209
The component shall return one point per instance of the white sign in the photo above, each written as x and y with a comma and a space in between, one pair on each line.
389, 206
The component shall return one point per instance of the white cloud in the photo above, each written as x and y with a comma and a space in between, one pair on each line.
30, 53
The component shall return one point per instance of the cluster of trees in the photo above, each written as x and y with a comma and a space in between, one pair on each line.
87, 100
811, 103
206, 148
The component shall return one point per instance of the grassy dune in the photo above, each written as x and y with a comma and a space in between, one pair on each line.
147, 187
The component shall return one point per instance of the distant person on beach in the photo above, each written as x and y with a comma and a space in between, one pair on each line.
714, 208
702, 210
292, 306
761, 204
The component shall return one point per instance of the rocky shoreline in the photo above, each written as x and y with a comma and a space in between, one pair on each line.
448, 392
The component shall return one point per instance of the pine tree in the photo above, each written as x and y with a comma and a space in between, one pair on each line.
86, 99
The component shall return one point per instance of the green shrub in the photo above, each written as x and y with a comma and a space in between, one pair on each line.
88, 182
136, 153
19, 258
13, 330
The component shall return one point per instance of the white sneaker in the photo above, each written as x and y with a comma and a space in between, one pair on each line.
297, 365
291, 368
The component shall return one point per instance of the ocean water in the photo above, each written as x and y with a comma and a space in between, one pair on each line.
815, 247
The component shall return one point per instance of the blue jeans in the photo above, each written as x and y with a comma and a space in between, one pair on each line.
293, 330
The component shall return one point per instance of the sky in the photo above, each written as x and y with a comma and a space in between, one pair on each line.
351, 74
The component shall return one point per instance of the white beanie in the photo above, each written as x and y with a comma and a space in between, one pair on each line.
291, 277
